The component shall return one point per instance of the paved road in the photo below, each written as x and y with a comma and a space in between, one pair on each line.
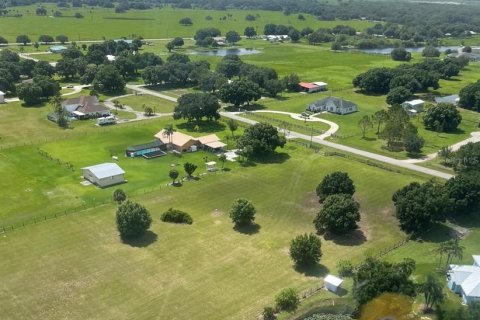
475, 137
366, 154
319, 140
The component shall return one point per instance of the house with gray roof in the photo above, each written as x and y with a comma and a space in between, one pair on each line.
452, 99
85, 107
104, 174
333, 105
465, 280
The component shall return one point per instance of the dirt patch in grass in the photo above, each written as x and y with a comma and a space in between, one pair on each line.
309, 203
217, 213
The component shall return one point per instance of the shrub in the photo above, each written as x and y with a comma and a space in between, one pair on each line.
176, 216
345, 268
287, 300
269, 313
119, 196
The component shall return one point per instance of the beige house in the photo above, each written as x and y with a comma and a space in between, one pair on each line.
178, 141
182, 142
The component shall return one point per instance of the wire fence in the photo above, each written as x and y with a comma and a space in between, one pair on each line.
90, 204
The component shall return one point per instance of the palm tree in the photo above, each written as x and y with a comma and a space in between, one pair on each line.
454, 250
56, 103
168, 132
432, 290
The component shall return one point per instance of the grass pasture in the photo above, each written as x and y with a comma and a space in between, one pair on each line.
153, 23
203, 271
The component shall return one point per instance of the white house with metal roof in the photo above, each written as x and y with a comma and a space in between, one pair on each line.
465, 280
104, 174
416, 105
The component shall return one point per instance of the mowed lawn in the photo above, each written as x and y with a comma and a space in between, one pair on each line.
153, 23
203, 271
137, 102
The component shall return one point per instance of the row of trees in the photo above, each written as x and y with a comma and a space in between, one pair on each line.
419, 206
404, 80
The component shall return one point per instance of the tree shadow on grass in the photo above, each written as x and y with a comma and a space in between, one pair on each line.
202, 126
272, 158
251, 107
341, 292
353, 238
249, 229
438, 233
143, 240
316, 270
471, 220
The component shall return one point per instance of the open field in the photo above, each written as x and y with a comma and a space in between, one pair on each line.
154, 23
203, 271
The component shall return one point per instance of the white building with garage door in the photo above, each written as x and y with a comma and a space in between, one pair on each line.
104, 175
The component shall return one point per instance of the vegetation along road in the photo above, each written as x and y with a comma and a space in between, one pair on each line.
319, 140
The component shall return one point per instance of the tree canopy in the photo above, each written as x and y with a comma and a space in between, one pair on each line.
443, 115
305, 249
260, 139
242, 212
335, 183
374, 277
133, 219
339, 214
196, 106
418, 206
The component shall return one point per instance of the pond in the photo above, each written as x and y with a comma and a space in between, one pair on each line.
224, 52
418, 49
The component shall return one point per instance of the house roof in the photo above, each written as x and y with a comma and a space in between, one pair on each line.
307, 85
208, 139
215, 144
105, 170
320, 83
2, 93
448, 99
415, 102
471, 285
211, 163
84, 105
58, 48
333, 280
476, 259
138, 147
467, 277
339, 103
178, 138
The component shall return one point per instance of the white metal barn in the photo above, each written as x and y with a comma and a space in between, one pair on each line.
2, 97
332, 283
104, 174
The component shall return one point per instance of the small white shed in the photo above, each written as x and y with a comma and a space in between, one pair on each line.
104, 174
416, 105
332, 283
211, 166
2, 97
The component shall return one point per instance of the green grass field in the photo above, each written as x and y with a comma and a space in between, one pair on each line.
154, 23
177, 271
137, 102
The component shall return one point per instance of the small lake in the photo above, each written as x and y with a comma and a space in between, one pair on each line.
418, 49
224, 52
